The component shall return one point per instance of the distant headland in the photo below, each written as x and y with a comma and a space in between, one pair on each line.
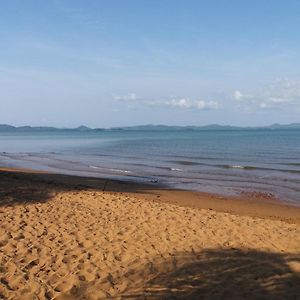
150, 127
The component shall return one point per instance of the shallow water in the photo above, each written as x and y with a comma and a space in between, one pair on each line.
225, 162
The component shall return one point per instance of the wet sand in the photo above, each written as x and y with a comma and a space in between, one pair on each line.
68, 237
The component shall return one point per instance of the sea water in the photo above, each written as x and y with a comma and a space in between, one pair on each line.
219, 161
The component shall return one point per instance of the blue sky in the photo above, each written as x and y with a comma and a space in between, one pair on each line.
127, 62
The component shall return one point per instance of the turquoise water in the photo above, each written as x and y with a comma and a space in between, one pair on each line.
225, 162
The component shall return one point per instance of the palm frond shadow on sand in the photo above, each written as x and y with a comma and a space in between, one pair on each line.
222, 274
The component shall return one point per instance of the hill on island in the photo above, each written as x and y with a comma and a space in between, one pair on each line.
82, 128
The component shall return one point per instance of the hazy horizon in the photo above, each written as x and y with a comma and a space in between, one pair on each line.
146, 124
125, 63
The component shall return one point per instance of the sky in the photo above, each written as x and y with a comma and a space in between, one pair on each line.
113, 63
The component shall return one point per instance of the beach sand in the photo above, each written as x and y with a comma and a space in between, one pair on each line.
65, 237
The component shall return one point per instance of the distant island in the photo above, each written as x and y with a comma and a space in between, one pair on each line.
10, 128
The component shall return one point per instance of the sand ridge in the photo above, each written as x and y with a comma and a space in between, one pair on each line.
87, 244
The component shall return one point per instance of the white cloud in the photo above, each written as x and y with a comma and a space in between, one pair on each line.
173, 102
128, 97
237, 95
279, 94
190, 104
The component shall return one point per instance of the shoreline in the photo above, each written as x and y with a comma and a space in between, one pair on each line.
253, 205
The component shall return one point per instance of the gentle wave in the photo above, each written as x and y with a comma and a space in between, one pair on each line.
120, 171
241, 167
94, 167
253, 168
176, 169
113, 170
237, 167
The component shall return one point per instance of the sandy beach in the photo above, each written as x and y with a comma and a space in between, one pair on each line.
65, 237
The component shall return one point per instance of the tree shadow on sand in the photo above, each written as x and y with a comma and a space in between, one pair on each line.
17, 187
222, 274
